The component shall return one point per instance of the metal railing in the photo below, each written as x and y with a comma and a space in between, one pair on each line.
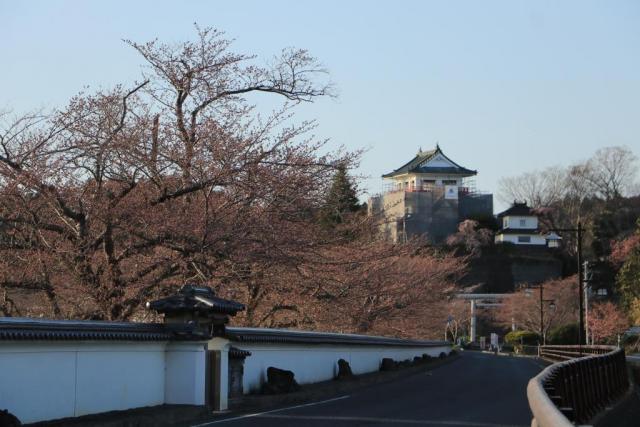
576, 389
558, 353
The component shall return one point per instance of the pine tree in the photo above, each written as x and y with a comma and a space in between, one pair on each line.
341, 200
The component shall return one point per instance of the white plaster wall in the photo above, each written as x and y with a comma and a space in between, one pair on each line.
530, 222
36, 384
417, 180
119, 377
513, 238
42, 381
313, 363
185, 374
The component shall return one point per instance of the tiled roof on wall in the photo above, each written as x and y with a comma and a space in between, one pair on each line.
20, 328
275, 336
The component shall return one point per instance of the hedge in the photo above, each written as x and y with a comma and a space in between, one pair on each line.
564, 335
522, 337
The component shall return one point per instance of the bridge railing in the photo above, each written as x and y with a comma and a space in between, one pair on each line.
558, 353
576, 389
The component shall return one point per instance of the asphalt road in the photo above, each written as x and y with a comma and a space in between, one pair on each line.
478, 390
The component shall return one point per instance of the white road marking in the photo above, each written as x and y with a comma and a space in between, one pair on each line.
389, 420
258, 414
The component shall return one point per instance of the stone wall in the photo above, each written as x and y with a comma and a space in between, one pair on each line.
500, 268
425, 213
476, 206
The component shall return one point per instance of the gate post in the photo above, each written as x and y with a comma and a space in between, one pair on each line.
218, 374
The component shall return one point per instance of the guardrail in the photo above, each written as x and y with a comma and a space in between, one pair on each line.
575, 390
558, 353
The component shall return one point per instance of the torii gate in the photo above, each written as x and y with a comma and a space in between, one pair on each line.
474, 304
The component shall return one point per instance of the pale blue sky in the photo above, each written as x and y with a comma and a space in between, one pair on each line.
504, 86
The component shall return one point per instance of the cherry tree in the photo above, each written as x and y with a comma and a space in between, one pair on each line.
606, 321
127, 193
522, 308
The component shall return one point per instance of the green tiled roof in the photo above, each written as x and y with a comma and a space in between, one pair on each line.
413, 166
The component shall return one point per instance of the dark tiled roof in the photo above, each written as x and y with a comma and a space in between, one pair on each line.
413, 166
236, 353
519, 209
285, 336
18, 328
193, 299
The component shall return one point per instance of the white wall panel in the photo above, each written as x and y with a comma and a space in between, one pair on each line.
47, 380
37, 385
119, 378
185, 374
313, 363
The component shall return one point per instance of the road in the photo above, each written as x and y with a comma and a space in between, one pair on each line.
478, 390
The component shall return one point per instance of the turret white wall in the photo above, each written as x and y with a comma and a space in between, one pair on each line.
513, 222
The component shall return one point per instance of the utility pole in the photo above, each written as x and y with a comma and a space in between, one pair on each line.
581, 319
587, 287
542, 315
552, 306
472, 332
581, 334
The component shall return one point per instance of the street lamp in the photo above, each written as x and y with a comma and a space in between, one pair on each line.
552, 306
553, 241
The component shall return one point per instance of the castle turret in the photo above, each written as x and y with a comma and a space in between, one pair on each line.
429, 170
428, 196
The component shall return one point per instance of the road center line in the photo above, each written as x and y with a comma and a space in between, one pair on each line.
273, 411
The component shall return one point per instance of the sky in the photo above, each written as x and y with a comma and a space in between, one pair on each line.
503, 86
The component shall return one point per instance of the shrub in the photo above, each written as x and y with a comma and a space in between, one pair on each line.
507, 348
564, 335
522, 337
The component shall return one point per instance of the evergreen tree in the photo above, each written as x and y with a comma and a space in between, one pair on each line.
341, 200
628, 280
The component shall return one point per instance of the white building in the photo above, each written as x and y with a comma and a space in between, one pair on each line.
519, 226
